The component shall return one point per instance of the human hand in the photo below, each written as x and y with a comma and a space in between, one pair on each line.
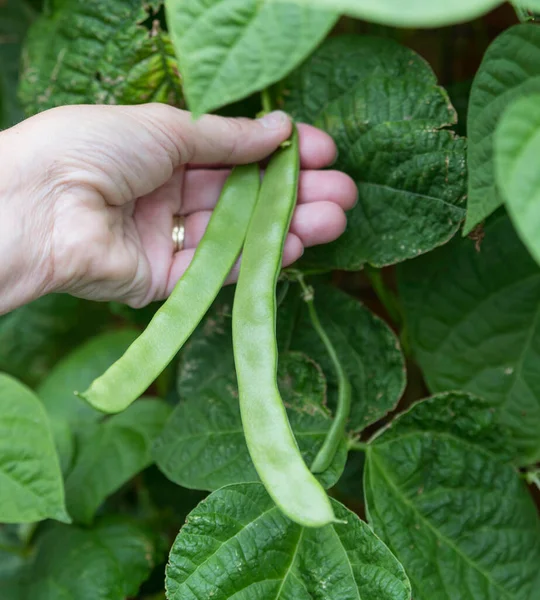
92, 190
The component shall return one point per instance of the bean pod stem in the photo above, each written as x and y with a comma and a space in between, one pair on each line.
336, 433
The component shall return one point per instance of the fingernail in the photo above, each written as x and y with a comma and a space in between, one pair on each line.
274, 120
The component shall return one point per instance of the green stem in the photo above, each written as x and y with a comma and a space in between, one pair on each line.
522, 12
266, 100
385, 295
355, 445
335, 434
533, 477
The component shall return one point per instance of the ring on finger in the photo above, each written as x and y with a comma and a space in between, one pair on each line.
178, 233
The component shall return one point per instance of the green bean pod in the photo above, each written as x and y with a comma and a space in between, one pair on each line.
130, 376
269, 437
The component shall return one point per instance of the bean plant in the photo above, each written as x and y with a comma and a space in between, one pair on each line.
408, 350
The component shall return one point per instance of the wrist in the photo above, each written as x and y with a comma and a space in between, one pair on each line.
23, 273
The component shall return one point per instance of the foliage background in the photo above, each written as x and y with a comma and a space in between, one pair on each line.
59, 344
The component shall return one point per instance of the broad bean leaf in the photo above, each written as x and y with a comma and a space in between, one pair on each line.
98, 52
203, 444
409, 13
76, 371
118, 449
35, 336
367, 348
228, 49
461, 522
237, 543
517, 148
457, 414
383, 107
473, 323
15, 17
510, 69
31, 486
107, 562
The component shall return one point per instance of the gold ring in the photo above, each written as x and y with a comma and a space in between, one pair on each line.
178, 232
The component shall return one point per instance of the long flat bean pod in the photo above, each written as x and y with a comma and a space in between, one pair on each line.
174, 322
269, 436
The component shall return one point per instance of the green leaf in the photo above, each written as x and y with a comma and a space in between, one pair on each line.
98, 52
461, 522
108, 562
228, 49
456, 414
203, 444
237, 543
35, 336
510, 69
31, 487
473, 321
382, 105
412, 13
366, 346
77, 370
517, 147
15, 17
118, 449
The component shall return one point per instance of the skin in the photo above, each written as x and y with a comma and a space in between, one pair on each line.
88, 204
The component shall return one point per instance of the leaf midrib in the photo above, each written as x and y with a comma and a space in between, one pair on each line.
401, 495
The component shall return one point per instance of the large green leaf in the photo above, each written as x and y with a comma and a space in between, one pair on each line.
35, 336
461, 522
517, 148
31, 486
409, 13
367, 348
509, 70
108, 562
15, 17
237, 544
97, 52
383, 107
77, 370
457, 414
228, 49
203, 444
118, 449
473, 320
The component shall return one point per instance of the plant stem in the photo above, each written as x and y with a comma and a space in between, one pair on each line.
385, 295
533, 477
335, 434
522, 12
266, 101
358, 446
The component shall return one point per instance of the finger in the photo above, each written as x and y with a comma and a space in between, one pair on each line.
292, 251
314, 223
212, 139
317, 148
202, 188
318, 223
154, 222
330, 186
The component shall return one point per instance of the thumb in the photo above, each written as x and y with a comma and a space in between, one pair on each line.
213, 139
